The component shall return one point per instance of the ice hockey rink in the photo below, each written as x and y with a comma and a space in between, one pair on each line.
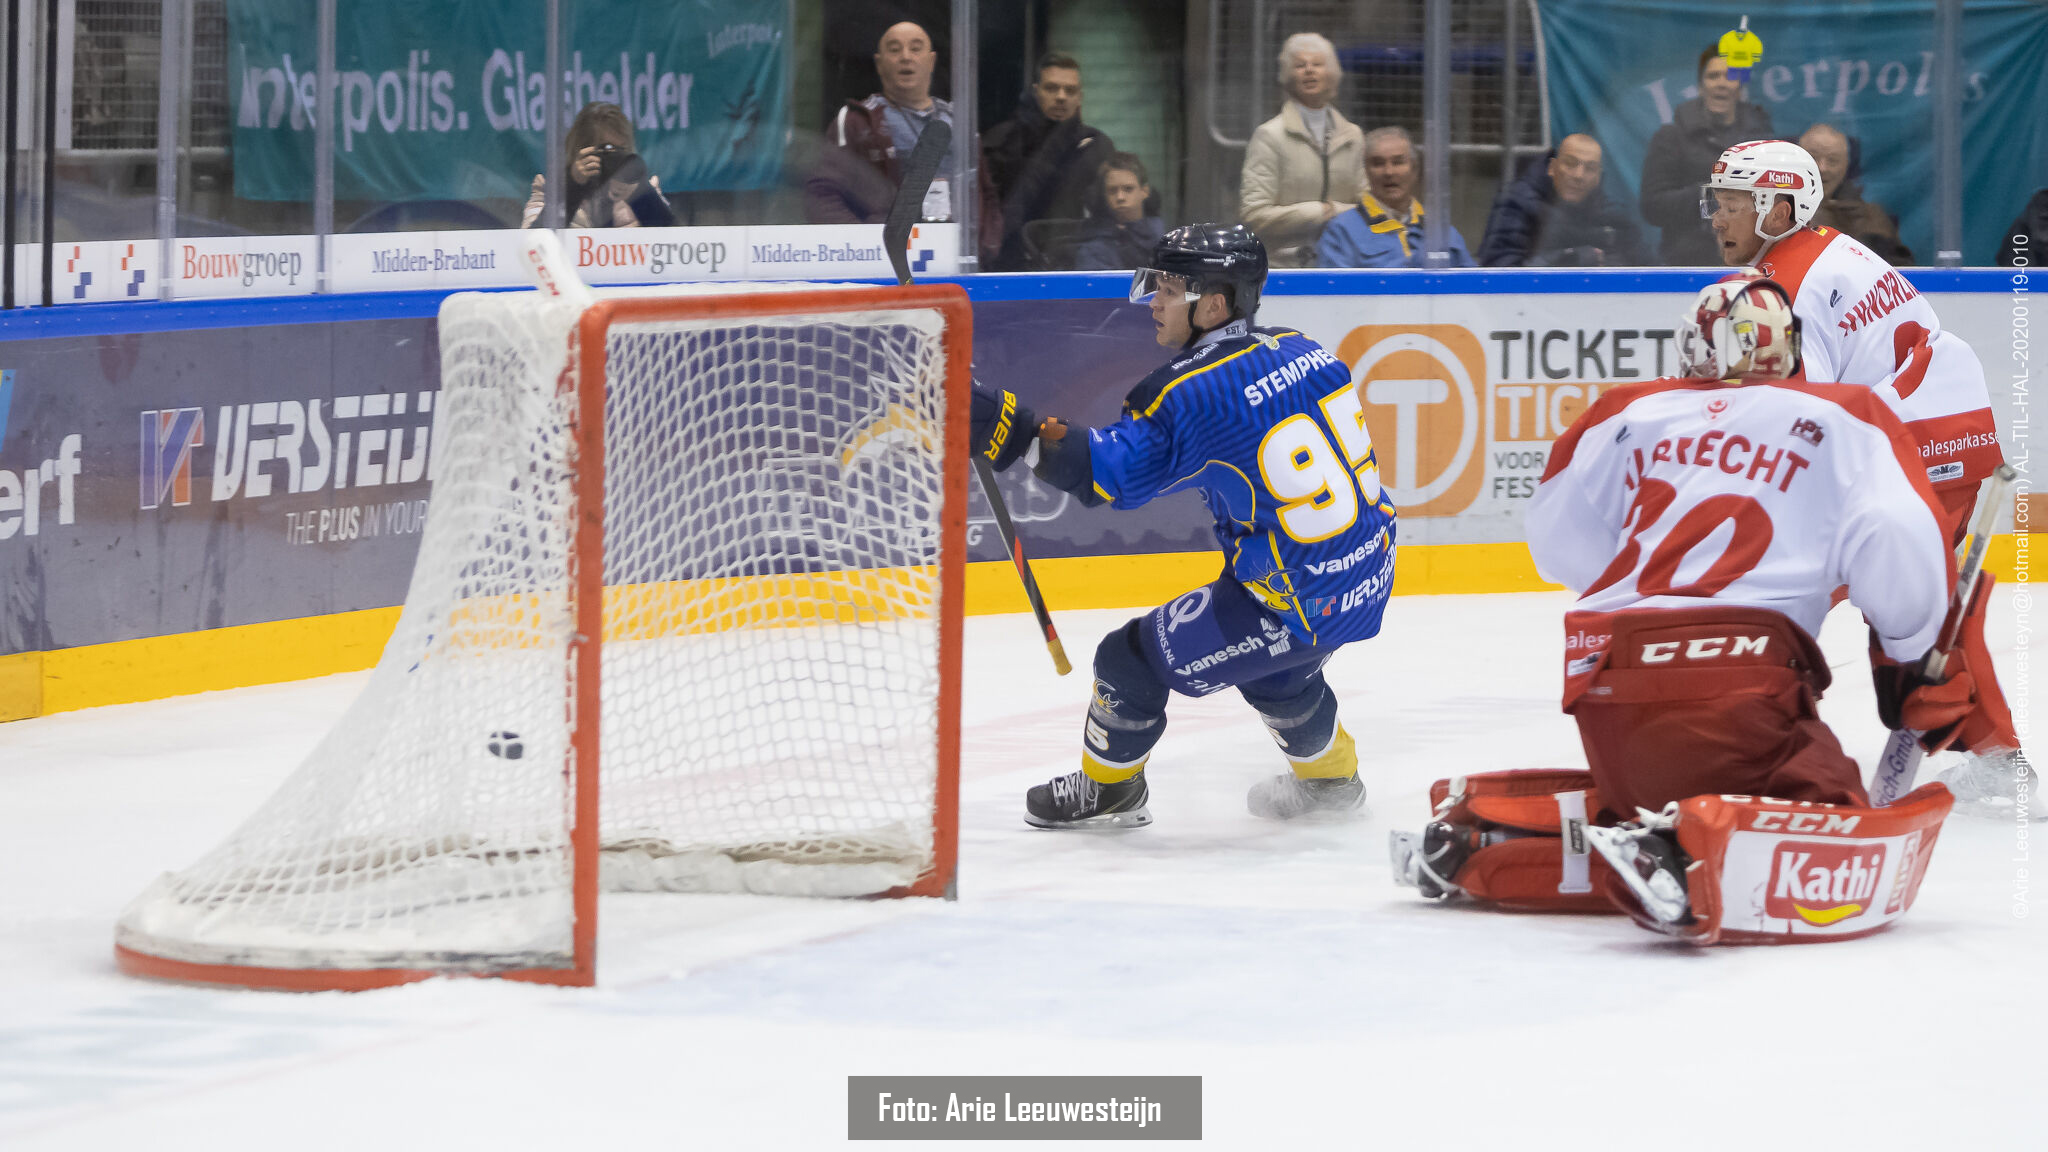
1322, 1006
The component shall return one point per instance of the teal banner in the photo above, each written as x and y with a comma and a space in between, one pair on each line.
1617, 68
445, 100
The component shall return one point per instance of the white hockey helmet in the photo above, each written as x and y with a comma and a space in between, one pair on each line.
1767, 169
1739, 326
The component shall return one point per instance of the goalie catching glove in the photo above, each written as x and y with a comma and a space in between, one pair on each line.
999, 428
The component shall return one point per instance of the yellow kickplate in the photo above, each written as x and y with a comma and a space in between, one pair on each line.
21, 686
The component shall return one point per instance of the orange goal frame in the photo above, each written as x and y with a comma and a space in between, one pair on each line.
586, 592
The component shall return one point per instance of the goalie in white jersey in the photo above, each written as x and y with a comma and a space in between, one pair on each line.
1706, 521
1862, 322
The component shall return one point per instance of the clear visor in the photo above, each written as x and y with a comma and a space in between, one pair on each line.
1710, 205
1149, 282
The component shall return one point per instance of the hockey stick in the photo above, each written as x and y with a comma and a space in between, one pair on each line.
919, 168
1903, 753
1016, 547
918, 171
550, 269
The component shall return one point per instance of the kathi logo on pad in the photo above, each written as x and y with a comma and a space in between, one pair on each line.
1822, 884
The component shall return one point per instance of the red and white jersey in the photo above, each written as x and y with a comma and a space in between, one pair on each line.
1676, 493
1861, 322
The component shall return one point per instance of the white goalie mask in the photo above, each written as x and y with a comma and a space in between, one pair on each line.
1766, 169
1740, 326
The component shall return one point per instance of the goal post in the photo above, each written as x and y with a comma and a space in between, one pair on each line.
686, 617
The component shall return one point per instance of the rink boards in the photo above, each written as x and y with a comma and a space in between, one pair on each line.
206, 495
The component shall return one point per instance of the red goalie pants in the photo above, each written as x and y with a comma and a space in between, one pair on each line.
1989, 725
1680, 702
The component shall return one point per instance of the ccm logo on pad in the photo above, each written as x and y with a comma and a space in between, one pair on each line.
1705, 648
1825, 823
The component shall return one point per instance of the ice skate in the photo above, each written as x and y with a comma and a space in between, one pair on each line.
1290, 797
1650, 863
1331, 788
1998, 784
1077, 800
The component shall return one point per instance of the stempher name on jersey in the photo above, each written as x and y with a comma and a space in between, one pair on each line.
1286, 375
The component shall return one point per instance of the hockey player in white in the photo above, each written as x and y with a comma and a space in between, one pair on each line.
1705, 522
1862, 322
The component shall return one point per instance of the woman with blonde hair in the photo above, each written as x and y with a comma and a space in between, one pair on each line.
609, 186
1305, 165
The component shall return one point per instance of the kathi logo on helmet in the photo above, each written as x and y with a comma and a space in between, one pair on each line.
1774, 178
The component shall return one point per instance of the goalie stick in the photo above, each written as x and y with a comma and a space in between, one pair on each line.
550, 269
1903, 753
918, 171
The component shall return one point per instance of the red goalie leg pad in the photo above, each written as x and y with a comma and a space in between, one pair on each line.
1778, 872
1989, 725
1547, 867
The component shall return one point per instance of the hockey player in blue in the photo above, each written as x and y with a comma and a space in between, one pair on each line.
1266, 425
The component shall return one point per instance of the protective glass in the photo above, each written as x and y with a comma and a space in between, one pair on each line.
1147, 282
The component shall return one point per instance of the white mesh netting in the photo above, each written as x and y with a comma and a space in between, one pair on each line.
770, 655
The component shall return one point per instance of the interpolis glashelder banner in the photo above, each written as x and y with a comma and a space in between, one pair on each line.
445, 100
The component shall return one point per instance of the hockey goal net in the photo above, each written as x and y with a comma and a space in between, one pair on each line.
685, 617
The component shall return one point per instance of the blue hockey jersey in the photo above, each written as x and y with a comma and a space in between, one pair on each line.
1267, 425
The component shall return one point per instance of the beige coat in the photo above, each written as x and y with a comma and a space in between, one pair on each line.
1287, 180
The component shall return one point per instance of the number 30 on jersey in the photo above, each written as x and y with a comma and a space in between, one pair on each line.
1318, 485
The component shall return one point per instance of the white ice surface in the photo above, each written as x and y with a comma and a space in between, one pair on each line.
1323, 1007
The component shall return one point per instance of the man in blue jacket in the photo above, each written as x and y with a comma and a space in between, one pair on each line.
1385, 230
1558, 214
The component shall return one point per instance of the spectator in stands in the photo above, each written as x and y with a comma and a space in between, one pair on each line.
1682, 155
1558, 213
861, 161
1305, 165
1126, 232
1385, 230
609, 186
2026, 242
1044, 162
1842, 206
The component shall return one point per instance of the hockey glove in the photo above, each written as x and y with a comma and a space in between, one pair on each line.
1933, 709
1064, 462
998, 427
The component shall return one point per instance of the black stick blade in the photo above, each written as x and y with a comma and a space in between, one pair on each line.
919, 169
